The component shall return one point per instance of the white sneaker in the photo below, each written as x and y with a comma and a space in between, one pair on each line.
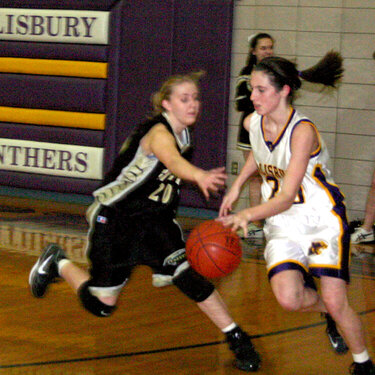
361, 235
253, 231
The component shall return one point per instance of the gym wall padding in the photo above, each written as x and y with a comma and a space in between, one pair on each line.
93, 95
52, 134
54, 93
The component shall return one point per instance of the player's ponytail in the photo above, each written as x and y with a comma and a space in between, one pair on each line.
284, 72
327, 71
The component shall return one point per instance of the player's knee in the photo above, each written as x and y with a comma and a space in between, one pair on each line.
193, 285
290, 300
93, 304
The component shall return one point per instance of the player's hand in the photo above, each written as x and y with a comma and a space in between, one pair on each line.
211, 181
228, 200
235, 221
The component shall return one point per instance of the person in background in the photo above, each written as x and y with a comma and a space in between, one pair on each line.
306, 228
133, 220
365, 233
261, 46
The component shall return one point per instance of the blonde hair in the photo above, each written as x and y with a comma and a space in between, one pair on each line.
167, 87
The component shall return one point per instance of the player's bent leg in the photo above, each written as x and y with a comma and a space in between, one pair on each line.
290, 290
200, 290
92, 303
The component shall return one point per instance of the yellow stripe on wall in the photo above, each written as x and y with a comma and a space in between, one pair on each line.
66, 68
94, 121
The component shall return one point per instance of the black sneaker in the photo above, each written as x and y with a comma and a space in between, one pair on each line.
44, 270
247, 359
365, 368
336, 340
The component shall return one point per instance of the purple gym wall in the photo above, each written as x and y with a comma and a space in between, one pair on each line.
148, 41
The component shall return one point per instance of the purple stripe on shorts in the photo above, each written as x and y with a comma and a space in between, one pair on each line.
284, 267
332, 272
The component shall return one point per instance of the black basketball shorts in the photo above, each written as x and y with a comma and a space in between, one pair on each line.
118, 243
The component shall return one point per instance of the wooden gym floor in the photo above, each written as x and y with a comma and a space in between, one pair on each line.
155, 330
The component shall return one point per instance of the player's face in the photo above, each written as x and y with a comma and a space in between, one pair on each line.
263, 48
265, 97
183, 105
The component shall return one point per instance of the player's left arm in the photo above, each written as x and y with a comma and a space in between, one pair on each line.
304, 142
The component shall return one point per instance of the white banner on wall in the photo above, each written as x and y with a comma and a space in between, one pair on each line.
54, 25
51, 159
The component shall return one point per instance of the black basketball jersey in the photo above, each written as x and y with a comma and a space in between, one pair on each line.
140, 184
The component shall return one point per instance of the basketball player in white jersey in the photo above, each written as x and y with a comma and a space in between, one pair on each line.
306, 227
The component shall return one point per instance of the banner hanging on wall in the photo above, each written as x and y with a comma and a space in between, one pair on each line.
51, 158
54, 25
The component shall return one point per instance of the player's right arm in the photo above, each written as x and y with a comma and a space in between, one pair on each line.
160, 142
234, 192
247, 170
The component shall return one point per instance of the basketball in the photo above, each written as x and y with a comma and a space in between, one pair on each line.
213, 250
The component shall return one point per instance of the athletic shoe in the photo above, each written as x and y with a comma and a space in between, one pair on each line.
336, 340
44, 270
365, 368
355, 224
247, 358
253, 231
361, 235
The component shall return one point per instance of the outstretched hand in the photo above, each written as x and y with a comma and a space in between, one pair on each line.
211, 181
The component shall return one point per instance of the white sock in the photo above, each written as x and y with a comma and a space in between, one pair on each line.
61, 264
361, 357
229, 328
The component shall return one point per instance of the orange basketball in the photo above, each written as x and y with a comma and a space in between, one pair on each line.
213, 250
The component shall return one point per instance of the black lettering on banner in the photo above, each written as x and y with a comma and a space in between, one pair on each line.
23, 27
64, 160
37, 25
53, 26
31, 157
48, 159
44, 158
81, 159
50, 25
2, 152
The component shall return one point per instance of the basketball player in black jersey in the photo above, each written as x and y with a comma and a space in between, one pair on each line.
133, 220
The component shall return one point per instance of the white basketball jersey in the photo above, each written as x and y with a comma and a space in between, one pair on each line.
312, 235
317, 190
